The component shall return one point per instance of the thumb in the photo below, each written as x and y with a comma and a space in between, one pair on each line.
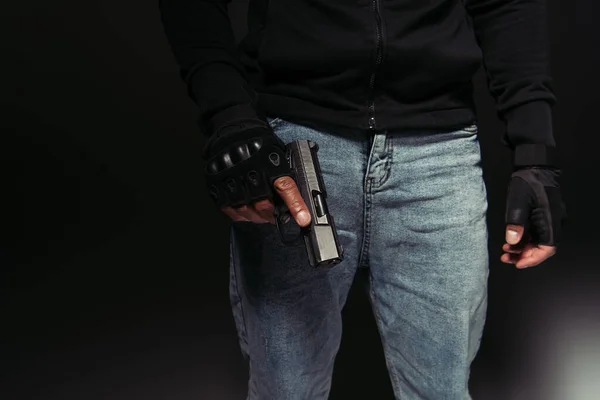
514, 233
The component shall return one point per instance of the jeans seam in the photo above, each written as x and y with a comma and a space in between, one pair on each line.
387, 152
389, 158
472, 128
275, 122
364, 251
243, 327
390, 365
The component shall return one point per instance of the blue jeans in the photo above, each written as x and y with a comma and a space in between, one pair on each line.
409, 206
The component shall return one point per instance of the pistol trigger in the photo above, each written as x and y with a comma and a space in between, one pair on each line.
289, 230
282, 213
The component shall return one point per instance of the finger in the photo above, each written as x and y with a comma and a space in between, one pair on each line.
514, 233
250, 214
231, 213
528, 250
516, 252
512, 249
509, 258
520, 247
265, 209
289, 193
535, 256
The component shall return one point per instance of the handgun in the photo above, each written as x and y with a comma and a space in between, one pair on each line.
320, 237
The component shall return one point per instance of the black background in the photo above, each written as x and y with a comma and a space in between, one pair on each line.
114, 262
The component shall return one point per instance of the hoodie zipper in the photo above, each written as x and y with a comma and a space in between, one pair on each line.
378, 57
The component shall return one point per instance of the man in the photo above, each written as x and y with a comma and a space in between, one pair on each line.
385, 89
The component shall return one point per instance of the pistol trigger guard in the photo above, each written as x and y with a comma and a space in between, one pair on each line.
286, 225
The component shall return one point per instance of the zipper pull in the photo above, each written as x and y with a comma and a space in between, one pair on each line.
372, 123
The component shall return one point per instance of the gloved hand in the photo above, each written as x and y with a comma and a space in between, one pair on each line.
534, 216
247, 170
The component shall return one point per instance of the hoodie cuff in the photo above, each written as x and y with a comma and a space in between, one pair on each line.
530, 123
529, 135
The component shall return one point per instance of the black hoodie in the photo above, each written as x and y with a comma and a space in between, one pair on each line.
369, 64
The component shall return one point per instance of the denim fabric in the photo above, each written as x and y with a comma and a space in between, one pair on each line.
409, 206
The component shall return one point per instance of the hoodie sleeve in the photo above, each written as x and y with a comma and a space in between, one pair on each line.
513, 37
203, 44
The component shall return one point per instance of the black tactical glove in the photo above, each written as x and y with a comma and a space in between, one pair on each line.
534, 199
244, 157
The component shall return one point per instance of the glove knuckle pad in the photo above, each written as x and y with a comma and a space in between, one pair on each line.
534, 200
243, 173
